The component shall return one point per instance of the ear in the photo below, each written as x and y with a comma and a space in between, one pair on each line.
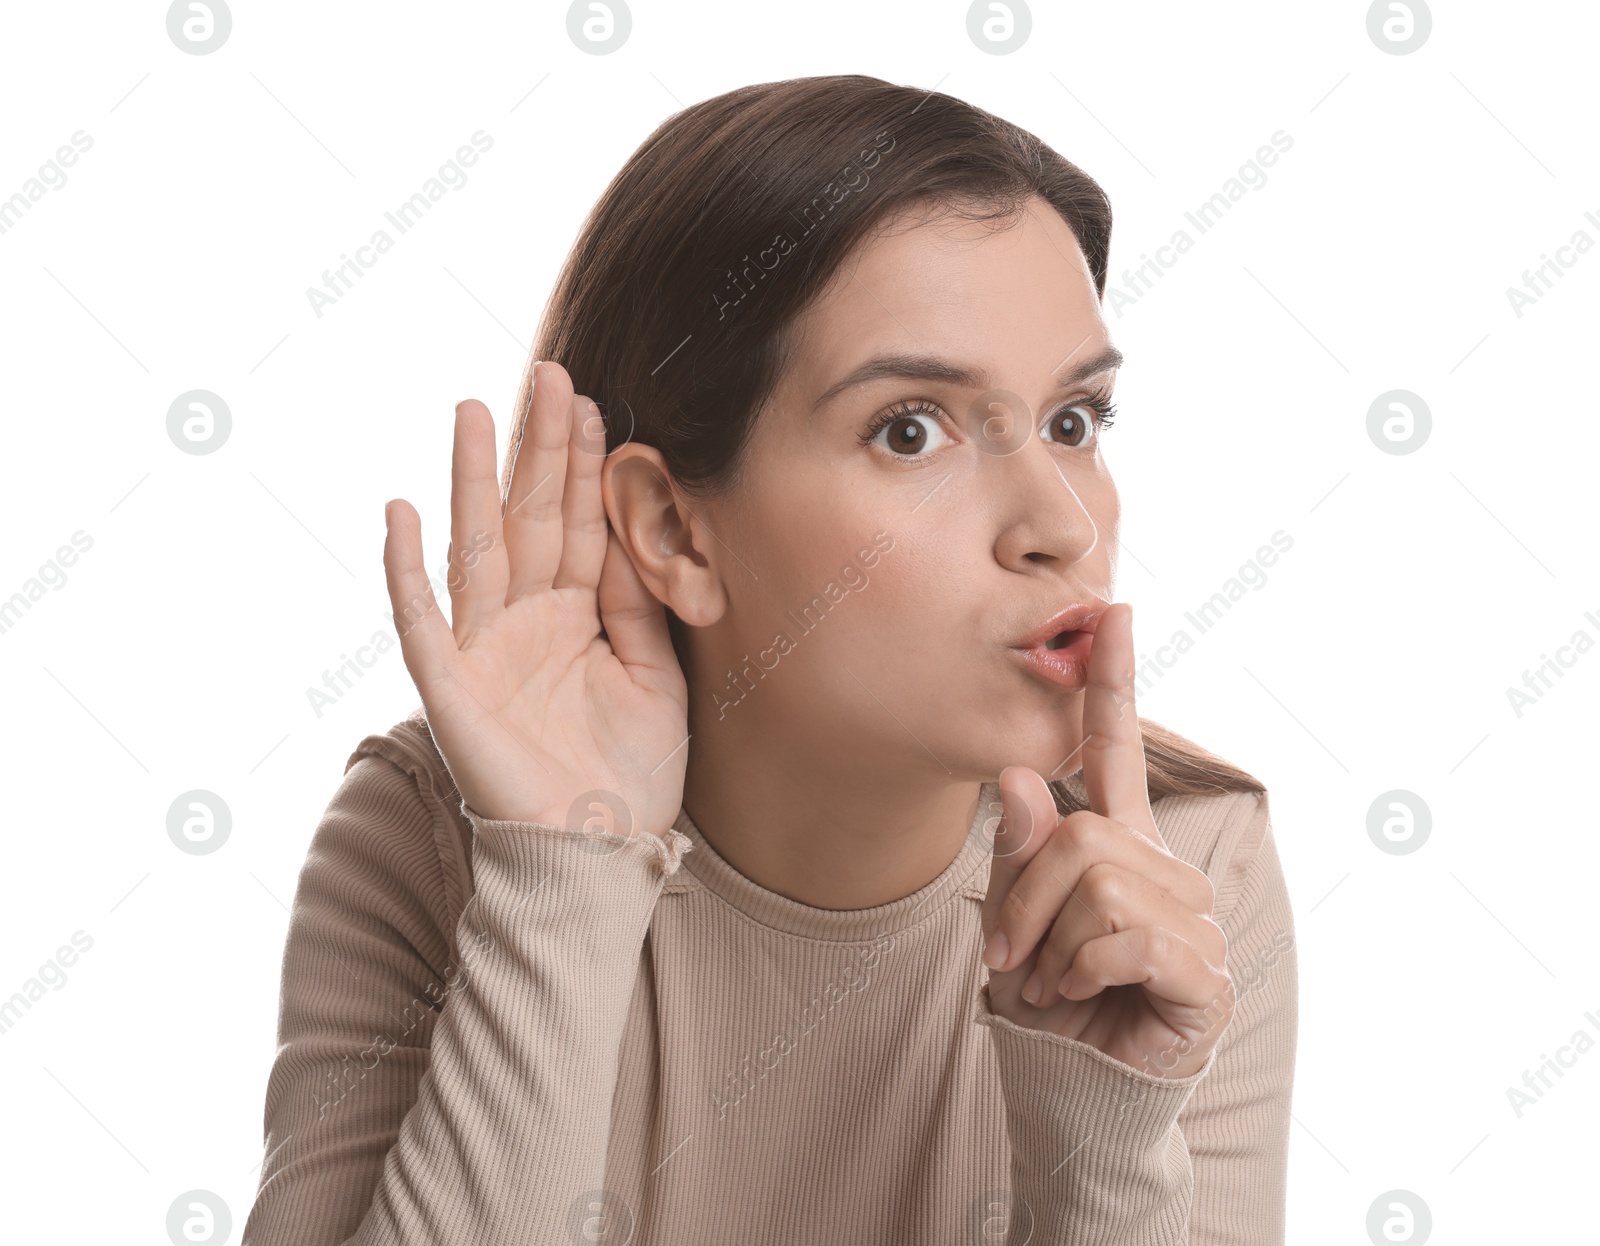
665, 542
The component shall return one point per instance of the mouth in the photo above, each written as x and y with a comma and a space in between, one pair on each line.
1062, 660
1058, 651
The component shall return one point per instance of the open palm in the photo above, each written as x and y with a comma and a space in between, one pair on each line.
553, 691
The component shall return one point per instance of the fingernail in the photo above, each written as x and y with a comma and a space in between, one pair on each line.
1030, 991
994, 955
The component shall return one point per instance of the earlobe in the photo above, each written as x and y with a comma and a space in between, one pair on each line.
660, 535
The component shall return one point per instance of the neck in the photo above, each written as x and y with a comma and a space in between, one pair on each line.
832, 832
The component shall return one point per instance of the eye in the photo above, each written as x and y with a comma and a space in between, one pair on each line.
906, 430
1083, 422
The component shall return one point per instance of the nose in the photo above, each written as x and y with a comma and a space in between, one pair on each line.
1051, 515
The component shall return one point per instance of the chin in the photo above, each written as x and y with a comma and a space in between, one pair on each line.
1045, 749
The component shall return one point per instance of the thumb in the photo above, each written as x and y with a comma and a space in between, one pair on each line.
1027, 821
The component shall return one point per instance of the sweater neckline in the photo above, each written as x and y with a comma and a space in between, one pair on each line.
842, 925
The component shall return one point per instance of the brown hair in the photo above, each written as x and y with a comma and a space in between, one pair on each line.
675, 308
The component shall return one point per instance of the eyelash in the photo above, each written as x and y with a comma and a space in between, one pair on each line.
1100, 403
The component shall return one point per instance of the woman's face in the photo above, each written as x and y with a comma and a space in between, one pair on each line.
921, 551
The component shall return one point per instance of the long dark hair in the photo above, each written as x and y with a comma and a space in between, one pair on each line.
675, 307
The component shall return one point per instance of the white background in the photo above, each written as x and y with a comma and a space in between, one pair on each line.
1377, 655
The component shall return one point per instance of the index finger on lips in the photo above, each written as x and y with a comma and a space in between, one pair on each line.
1113, 750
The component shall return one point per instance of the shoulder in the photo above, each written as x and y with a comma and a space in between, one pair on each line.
1221, 833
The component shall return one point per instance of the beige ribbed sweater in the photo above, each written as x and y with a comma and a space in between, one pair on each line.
496, 1032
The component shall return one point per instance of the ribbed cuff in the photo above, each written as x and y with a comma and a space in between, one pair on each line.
1096, 1152
665, 852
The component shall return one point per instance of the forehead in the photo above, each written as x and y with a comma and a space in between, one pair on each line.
978, 291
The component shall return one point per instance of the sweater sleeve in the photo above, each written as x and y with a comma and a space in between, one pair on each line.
1103, 1152
409, 1105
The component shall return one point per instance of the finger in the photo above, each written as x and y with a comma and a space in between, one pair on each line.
635, 622
1028, 817
1113, 749
583, 514
533, 518
1152, 955
427, 643
1111, 898
1056, 879
478, 569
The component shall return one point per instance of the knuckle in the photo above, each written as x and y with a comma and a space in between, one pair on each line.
1078, 834
1080, 824
1106, 889
1162, 944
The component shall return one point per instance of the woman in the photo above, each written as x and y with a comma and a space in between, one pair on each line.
778, 855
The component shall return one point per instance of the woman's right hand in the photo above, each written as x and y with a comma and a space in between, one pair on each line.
529, 704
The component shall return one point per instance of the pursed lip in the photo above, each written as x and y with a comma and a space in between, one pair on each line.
1080, 616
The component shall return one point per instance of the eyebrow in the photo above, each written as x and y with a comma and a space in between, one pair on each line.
933, 368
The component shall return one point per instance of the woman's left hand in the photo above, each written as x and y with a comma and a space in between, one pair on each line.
1113, 930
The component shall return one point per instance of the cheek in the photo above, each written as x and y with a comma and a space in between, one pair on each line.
805, 548
1097, 498
1104, 504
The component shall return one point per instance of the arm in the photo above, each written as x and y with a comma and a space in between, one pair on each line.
1105, 1152
410, 1105
1096, 1152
